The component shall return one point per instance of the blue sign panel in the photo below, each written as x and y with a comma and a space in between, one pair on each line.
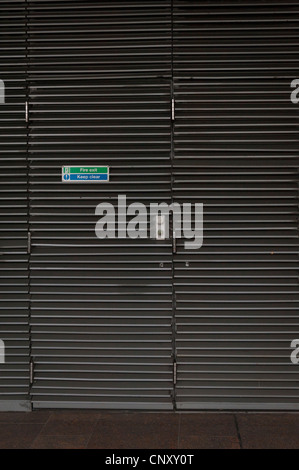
79, 177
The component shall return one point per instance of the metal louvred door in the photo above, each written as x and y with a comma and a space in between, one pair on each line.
104, 320
14, 297
236, 151
101, 310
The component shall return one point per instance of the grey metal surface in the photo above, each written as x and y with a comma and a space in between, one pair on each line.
100, 78
15, 405
122, 404
236, 151
14, 317
101, 310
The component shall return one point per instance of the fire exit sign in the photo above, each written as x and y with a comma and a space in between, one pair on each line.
85, 174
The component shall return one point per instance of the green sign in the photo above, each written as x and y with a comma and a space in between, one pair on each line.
85, 174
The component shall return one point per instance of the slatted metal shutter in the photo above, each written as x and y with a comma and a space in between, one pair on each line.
101, 309
14, 306
101, 313
236, 151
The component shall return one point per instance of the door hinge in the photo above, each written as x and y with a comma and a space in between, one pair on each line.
174, 243
26, 112
29, 243
31, 372
174, 372
172, 109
